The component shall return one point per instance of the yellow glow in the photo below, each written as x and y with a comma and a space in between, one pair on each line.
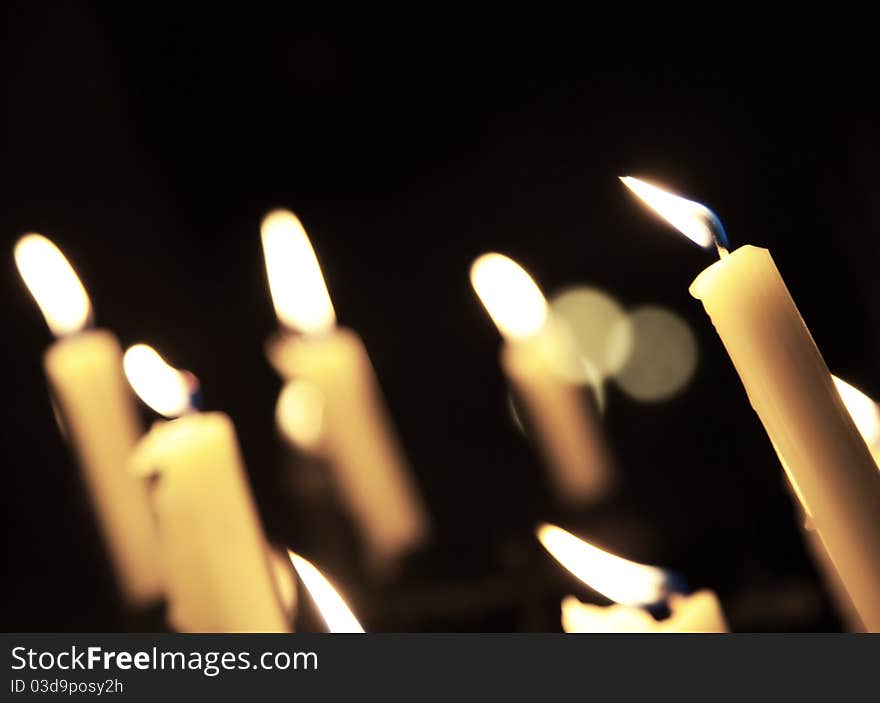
623, 581
333, 609
600, 328
663, 357
300, 413
299, 292
510, 295
53, 283
164, 388
688, 217
863, 410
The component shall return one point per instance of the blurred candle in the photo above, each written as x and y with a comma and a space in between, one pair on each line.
219, 573
354, 433
790, 388
332, 607
536, 354
285, 582
95, 409
632, 586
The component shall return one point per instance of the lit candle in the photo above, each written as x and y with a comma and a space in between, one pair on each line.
789, 386
95, 410
632, 586
535, 357
330, 604
355, 435
219, 575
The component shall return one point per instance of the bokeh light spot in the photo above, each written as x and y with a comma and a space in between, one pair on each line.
663, 358
600, 330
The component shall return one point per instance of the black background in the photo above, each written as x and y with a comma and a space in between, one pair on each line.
148, 143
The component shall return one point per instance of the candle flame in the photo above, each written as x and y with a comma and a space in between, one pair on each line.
300, 413
618, 579
53, 283
694, 220
510, 295
299, 292
164, 388
864, 411
333, 609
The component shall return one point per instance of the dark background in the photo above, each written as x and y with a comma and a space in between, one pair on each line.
148, 143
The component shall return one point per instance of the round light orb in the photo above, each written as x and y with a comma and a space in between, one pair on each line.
600, 330
663, 357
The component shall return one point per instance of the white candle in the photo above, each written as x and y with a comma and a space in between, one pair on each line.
330, 604
632, 586
355, 434
219, 576
95, 409
698, 612
790, 388
536, 357
866, 415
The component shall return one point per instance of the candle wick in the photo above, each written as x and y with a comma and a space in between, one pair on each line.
195, 394
722, 250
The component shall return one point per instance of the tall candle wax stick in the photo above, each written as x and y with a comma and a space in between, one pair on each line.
94, 406
790, 388
219, 575
632, 586
356, 436
535, 356
866, 415
333, 608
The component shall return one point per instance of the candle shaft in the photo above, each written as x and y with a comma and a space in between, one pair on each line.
791, 390
369, 469
96, 410
564, 421
217, 560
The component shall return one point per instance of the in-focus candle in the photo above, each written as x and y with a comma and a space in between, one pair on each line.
827, 462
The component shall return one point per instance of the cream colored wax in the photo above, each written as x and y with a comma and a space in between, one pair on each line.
358, 441
790, 388
95, 408
564, 420
698, 612
219, 575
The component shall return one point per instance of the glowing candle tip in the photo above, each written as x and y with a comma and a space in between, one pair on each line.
333, 609
510, 295
167, 390
618, 579
299, 292
863, 410
53, 283
694, 220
